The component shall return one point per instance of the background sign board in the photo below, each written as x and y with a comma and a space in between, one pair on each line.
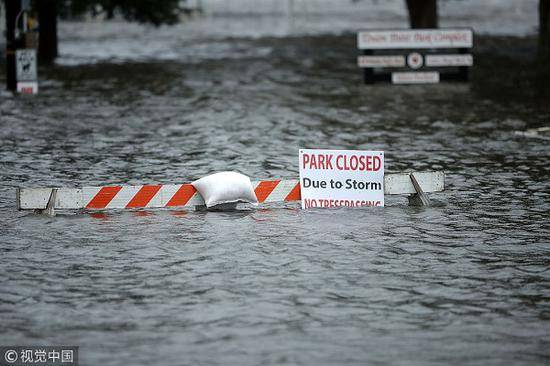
421, 55
341, 178
420, 38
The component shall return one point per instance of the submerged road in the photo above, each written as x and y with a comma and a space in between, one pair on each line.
463, 282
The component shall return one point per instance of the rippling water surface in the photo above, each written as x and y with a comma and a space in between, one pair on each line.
463, 282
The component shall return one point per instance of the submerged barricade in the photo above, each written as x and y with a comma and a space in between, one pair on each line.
117, 197
328, 179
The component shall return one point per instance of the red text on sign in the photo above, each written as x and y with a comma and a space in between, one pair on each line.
369, 163
331, 203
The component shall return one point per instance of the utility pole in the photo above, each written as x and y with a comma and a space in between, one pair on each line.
47, 18
423, 13
13, 9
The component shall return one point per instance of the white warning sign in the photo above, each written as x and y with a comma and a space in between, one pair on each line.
341, 178
27, 87
25, 60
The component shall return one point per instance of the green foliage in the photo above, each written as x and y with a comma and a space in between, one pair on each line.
156, 12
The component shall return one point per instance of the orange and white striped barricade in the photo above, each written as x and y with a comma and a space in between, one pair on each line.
185, 195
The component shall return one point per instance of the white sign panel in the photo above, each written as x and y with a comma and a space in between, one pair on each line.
415, 60
25, 60
449, 60
27, 87
420, 38
341, 178
381, 61
415, 77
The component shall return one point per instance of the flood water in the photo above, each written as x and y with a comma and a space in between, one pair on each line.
463, 282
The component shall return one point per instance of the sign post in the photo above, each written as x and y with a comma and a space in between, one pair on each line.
341, 178
25, 60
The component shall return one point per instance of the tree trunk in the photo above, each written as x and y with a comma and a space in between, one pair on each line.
47, 18
12, 9
422, 13
544, 29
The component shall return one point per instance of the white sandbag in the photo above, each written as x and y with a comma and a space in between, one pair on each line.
225, 187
